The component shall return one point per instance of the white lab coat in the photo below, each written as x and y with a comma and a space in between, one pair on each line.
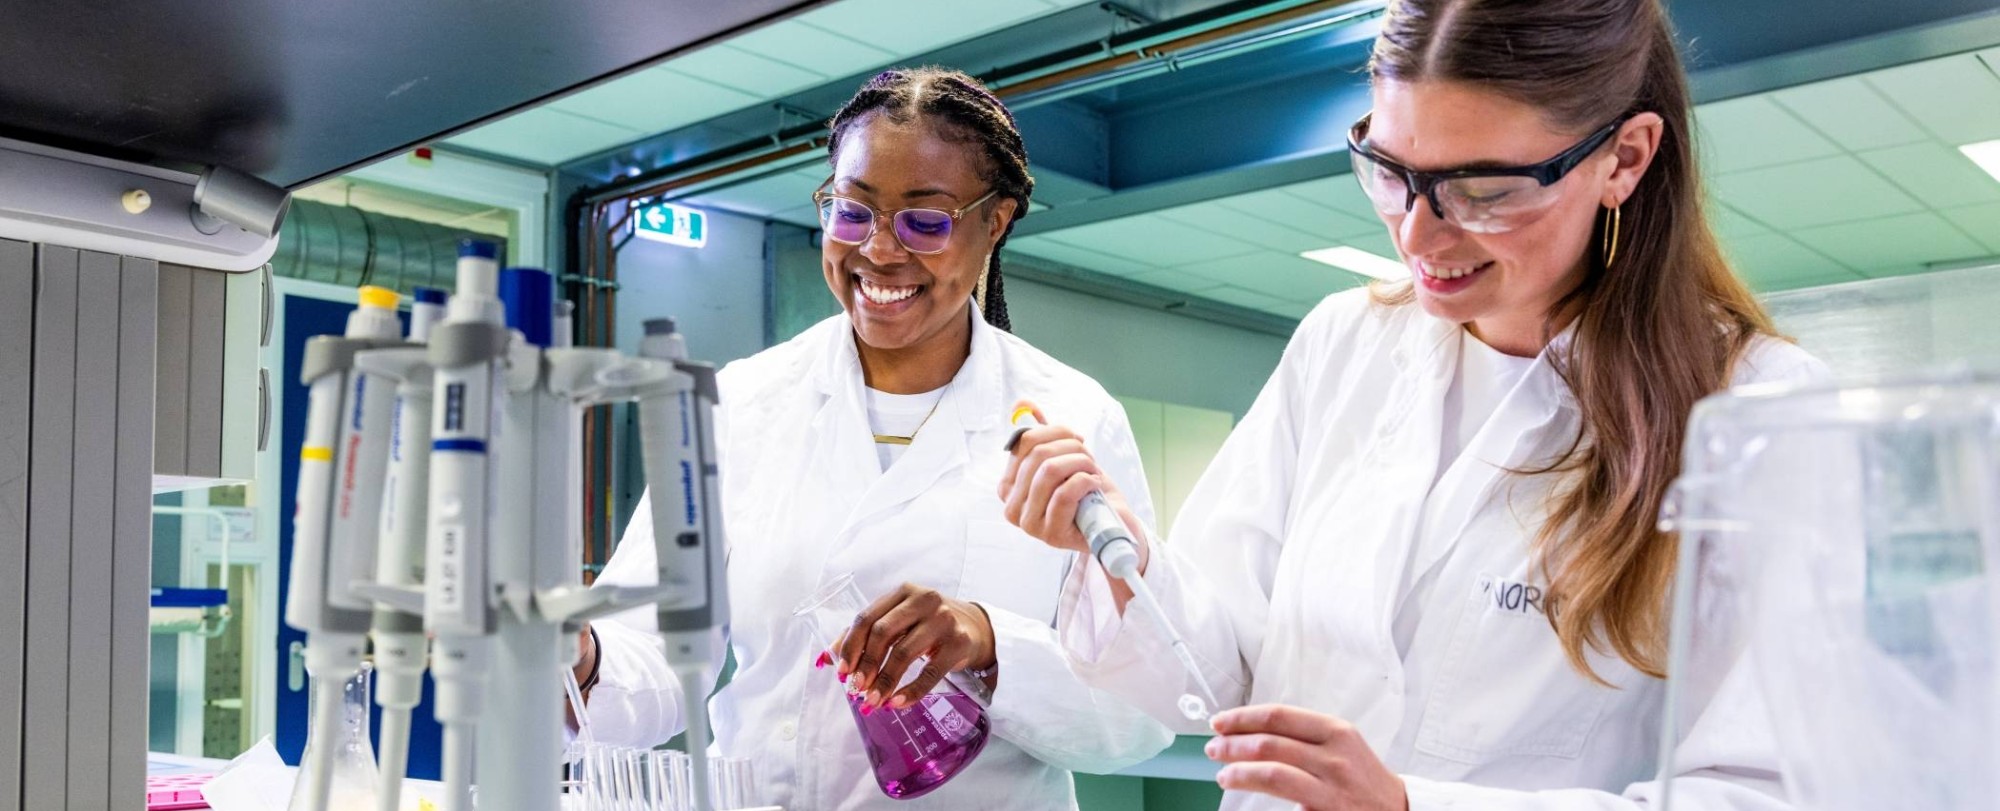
1295, 552
805, 500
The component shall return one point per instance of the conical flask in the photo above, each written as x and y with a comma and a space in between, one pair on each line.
916, 749
354, 780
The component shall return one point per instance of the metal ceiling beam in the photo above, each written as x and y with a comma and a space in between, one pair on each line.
1114, 288
1293, 128
1070, 139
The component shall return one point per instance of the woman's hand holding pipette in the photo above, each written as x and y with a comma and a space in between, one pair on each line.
1049, 473
911, 622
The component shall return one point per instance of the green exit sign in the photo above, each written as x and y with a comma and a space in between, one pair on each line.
671, 224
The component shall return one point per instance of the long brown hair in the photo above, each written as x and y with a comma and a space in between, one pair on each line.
1655, 333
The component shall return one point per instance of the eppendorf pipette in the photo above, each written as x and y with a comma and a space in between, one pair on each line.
1112, 544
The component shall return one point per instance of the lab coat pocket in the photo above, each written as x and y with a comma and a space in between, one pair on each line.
1505, 688
1006, 568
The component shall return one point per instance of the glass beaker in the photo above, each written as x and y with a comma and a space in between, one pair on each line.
913, 750
1844, 538
354, 780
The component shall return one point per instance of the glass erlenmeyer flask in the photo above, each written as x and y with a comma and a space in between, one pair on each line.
355, 777
916, 749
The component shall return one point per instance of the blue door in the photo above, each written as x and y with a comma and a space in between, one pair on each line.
306, 317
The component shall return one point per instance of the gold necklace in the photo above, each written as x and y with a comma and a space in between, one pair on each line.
890, 439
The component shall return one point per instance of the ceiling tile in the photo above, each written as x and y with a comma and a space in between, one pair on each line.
1752, 132
805, 216
1245, 298
1851, 113
655, 100
1378, 243
1781, 284
1815, 192
1940, 176
1981, 222
546, 136
1058, 189
896, 27
762, 197
1042, 246
1283, 276
744, 71
1730, 223
1956, 98
1177, 280
1151, 240
1295, 309
1889, 242
1218, 217
1280, 207
1899, 270
1775, 262
814, 49
1339, 192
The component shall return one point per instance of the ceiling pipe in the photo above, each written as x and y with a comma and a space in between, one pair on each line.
1119, 59
1225, 31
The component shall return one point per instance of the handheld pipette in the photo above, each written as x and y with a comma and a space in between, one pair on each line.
677, 436
1111, 542
466, 350
401, 651
339, 493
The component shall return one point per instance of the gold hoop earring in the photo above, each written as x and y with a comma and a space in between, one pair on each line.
1609, 246
985, 274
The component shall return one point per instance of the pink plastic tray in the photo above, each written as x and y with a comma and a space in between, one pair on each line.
175, 792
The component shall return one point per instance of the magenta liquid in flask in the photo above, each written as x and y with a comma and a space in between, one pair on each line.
918, 748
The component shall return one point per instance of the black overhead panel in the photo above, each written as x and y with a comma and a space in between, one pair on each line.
296, 90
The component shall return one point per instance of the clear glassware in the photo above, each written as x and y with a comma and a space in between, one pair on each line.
355, 778
733, 783
916, 749
1843, 537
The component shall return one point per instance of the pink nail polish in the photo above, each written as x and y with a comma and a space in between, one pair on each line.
823, 660
867, 710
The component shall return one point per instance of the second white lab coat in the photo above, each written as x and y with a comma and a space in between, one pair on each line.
805, 499
1298, 549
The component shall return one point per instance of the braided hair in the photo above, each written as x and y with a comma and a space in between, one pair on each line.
964, 112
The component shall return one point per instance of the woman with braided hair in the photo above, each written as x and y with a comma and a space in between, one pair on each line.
870, 445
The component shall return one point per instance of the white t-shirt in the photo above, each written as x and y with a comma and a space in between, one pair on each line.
1485, 376
898, 415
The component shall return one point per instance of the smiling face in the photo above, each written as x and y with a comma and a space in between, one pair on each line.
899, 300
1496, 283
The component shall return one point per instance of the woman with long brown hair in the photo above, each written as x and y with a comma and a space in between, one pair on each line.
1427, 561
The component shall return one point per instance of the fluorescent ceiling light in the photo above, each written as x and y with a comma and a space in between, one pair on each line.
1986, 154
1355, 260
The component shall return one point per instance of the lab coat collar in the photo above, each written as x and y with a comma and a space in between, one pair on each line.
1432, 346
971, 393
1550, 386
1534, 419
940, 447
